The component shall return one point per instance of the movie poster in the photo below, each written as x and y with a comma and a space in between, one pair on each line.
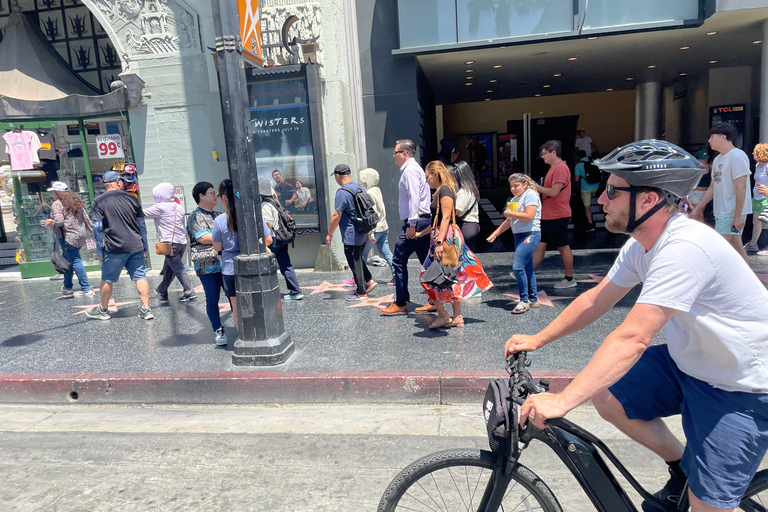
282, 143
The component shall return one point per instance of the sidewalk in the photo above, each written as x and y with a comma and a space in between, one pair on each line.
344, 351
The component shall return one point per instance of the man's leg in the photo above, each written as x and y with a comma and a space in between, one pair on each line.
735, 241
699, 506
105, 295
567, 255
354, 260
142, 285
403, 251
653, 434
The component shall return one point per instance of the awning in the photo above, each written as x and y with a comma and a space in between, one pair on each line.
36, 83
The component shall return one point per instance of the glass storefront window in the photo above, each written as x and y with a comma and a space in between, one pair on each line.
493, 19
282, 142
426, 22
619, 13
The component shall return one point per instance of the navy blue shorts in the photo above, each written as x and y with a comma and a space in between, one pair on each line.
228, 283
726, 431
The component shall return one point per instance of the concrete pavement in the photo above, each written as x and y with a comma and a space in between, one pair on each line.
317, 458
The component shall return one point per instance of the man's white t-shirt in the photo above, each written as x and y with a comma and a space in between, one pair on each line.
720, 333
269, 214
725, 169
584, 144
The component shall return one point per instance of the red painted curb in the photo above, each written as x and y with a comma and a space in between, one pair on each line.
431, 387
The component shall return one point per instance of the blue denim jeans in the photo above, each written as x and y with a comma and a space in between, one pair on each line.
382, 238
286, 267
522, 266
212, 285
72, 253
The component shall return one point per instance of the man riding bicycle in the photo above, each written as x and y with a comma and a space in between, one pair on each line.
713, 369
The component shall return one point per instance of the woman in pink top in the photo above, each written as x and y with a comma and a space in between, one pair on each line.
169, 223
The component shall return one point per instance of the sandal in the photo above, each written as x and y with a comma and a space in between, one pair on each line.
535, 304
521, 308
457, 322
438, 323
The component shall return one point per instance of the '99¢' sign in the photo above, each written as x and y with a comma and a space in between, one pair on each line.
109, 146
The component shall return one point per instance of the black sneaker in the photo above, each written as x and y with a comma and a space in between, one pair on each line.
670, 495
590, 228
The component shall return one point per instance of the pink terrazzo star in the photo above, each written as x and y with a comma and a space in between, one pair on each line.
378, 302
544, 299
325, 286
224, 306
592, 279
111, 306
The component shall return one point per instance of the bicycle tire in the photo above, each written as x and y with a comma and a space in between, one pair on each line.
440, 488
756, 497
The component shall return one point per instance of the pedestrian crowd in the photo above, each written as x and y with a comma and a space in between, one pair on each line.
439, 210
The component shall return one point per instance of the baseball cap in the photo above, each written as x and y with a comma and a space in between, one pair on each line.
128, 178
111, 176
341, 169
58, 186
702, 154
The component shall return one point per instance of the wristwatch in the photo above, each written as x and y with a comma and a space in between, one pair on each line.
438, 242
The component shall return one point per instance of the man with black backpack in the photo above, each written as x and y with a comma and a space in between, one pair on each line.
589, 176
351, 215
283, 230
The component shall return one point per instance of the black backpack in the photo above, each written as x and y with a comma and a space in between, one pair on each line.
365, 218
285, 233
592, 173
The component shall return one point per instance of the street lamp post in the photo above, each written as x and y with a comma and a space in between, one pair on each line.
263, 340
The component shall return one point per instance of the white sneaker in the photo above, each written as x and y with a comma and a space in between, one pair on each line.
565, 284
221, 337
82, 293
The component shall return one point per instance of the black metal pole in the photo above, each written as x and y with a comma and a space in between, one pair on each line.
263, 340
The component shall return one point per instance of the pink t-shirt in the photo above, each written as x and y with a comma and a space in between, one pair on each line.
22, 147
557, 207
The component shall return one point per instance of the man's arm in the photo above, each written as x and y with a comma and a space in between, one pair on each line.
335, 218
740, 186
143, 229
588, 307
98, 236
552, 191
615, 357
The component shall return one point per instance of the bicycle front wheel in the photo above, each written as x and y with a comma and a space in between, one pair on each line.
456, 480
756, 497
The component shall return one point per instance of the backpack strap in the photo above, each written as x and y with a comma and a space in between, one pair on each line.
354, 196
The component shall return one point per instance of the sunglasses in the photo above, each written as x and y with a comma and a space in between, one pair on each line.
610, 190
396, 152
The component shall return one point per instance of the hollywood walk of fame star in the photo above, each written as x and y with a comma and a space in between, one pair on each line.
762, 277
196, 289
224, 306
111, 306
592, 279
544, 299
325, 286
378, 302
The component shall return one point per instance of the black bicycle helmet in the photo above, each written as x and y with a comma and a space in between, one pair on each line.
657, 164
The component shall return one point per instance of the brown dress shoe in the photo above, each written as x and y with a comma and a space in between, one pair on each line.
426, 308
394, 309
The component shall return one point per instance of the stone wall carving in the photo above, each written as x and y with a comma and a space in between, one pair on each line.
308, 26
153, 27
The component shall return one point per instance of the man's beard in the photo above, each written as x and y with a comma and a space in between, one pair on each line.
617, 222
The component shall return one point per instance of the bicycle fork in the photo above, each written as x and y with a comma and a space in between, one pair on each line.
494, 491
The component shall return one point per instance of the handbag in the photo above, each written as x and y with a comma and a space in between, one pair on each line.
60, 262
439, 275
450, 247
166, 248
202, 253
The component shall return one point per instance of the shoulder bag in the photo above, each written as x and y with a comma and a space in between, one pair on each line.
166, 248
450, 246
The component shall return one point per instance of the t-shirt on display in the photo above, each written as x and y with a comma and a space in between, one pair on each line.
22, 147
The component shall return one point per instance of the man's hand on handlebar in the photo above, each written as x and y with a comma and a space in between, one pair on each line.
538, 408
520, 343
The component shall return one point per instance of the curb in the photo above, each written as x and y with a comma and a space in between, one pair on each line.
425, 387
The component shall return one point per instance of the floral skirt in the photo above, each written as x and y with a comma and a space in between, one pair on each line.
471, 276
